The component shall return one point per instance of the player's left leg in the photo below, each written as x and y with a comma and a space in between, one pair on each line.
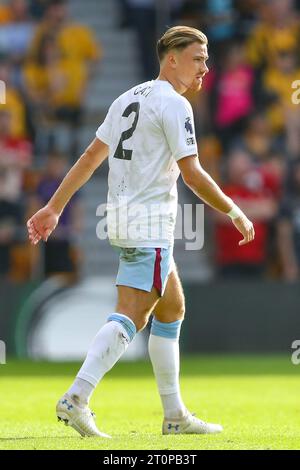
140, 271
133, 310
164, 354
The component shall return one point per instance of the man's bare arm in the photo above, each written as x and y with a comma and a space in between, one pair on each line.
43, 222
79, 174
196, 178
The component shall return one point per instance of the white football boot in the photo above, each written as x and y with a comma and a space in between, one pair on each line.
189, 424
81, 419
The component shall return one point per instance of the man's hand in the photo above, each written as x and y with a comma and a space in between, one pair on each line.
42, 224
245, 227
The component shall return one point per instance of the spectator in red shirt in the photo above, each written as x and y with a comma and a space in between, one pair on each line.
245, 185
15, 156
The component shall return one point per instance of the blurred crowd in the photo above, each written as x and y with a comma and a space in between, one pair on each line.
247, 122
46, 62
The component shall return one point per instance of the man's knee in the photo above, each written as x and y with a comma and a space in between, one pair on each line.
136, 305
174, 311
141, 323
179, 306
179, 311
139, 318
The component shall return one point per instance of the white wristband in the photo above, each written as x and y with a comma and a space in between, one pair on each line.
235, 212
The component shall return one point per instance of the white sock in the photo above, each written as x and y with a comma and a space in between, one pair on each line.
81, 391
164, 355
107, 347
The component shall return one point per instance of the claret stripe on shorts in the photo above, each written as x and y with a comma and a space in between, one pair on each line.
157, 271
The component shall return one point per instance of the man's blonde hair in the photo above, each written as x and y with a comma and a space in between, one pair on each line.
179, 37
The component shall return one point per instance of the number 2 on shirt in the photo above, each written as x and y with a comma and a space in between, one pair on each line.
121, 153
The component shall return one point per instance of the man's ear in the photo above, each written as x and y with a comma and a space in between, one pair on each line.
172, 59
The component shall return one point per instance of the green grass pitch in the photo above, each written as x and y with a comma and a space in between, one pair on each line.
255, 398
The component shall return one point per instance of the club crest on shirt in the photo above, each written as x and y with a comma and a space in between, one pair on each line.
188, 126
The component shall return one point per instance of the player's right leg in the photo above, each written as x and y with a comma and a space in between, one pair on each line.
164, 354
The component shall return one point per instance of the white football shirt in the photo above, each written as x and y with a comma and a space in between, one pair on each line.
147, 129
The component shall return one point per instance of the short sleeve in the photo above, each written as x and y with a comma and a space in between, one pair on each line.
104, 131
179, 128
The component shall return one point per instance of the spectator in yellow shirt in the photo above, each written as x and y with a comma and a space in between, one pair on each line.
278, 28
277, 82
55, 87
83, 49
13, 101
